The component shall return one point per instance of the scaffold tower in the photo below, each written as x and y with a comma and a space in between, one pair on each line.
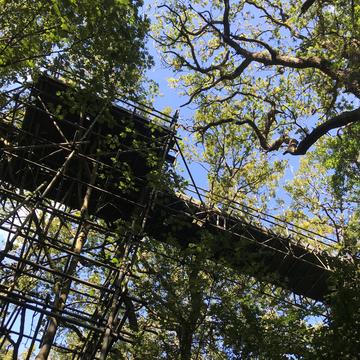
84, 185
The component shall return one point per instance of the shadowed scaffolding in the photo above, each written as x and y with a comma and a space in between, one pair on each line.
98, 164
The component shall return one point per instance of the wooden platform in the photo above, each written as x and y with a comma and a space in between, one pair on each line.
126, 146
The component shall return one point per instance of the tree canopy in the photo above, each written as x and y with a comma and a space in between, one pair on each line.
266, 79
101, 41
290, 74
269, 76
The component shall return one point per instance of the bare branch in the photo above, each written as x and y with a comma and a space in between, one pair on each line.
281, 23
229, 76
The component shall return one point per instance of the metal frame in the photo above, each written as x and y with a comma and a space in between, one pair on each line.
64, 250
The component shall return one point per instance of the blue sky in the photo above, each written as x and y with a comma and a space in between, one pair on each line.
170, 97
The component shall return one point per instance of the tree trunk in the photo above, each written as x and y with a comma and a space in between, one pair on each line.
188, 328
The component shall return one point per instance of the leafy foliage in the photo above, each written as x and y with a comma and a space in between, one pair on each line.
102, 42
260, 65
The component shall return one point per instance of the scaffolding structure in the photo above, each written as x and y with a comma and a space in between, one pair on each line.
81, 188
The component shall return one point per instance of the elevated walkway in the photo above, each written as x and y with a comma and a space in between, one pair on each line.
60, 145
246, 247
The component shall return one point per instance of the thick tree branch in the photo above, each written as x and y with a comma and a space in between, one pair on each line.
345, 118
294, 147
306, 5
239, 50
271, 56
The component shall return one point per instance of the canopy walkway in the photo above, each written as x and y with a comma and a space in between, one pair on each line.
61, 164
